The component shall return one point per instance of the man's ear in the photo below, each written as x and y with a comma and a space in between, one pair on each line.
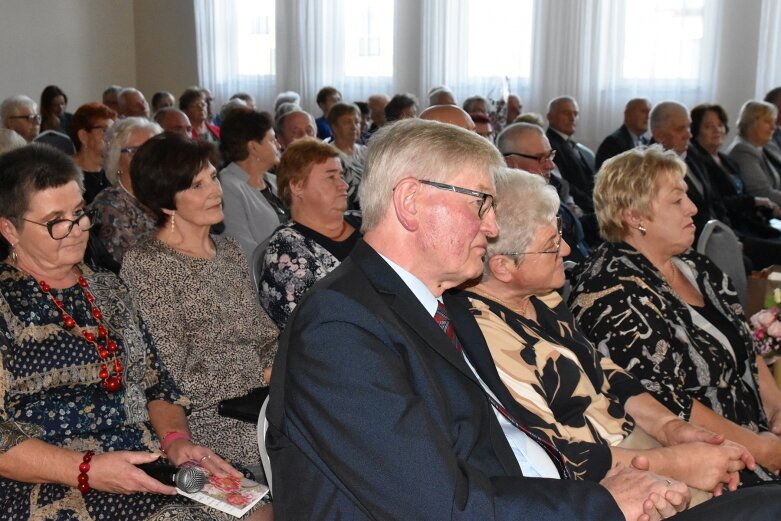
406, 202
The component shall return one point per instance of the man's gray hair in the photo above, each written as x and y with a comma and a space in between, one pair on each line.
123, 93
117, 137
288, 96
279, 124
524, 202
422, 150
10, 107
509, 137
664, 111
160, 115
555, 102
435, 92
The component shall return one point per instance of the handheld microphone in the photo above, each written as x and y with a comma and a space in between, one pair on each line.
188, 479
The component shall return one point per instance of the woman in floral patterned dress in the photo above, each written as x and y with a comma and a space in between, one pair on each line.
84, 397
319, 236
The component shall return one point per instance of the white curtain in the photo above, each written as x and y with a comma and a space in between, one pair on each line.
594, 50
221, 24
769, 56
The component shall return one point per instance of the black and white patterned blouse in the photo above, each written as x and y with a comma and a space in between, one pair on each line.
630, 313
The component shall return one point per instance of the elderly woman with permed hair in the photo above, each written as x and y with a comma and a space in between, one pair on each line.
667, 314
756, 123
552, 378
121, 219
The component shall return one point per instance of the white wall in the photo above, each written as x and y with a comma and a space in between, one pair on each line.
165, 44
79, 45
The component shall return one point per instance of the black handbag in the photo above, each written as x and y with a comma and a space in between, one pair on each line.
245, 408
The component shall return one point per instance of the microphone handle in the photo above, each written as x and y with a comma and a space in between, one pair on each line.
163, 472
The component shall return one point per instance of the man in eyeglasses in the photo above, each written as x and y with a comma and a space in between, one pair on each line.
375, 410
20, 113
525, 146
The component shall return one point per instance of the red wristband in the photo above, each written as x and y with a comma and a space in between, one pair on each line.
171, 437
83, 479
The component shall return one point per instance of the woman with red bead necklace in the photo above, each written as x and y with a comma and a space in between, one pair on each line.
84, 397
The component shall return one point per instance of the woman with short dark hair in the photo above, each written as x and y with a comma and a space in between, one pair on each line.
84, 397
252, 209
345, 122
87, 131
194, 292
53, 115
193, 103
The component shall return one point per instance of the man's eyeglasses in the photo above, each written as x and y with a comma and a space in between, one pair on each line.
540, 158
486, 200
61, 228
29, 117
555, 249
129, 150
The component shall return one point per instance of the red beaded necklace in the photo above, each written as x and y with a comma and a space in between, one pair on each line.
108, 347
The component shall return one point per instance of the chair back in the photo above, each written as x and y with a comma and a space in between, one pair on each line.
262, 428
256, 262
720, 244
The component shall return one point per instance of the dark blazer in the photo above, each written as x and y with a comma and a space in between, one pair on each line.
741, 208
575, 169
374, 415
617, 142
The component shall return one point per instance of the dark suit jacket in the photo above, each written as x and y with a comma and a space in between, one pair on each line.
617, 142
374, 415
575, 170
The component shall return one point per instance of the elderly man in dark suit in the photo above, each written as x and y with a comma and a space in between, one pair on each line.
375, 410
629, 135
575, 161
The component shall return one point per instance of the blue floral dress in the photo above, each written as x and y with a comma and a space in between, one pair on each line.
50, 389
296, 257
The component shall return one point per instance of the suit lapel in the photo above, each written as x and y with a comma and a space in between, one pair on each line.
406, 306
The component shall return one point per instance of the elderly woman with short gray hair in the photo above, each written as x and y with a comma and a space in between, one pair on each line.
756, 123
551, 377
121, 220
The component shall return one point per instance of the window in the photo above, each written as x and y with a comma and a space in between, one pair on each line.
500, 38
663, 39
256, 37
368, 39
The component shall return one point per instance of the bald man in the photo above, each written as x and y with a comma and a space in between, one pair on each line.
449, 114
630, 134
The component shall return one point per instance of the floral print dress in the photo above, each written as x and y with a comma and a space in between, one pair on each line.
570, 394
630, 313
297, 257
50, 390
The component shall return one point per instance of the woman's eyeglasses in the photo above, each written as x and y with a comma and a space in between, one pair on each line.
61, 228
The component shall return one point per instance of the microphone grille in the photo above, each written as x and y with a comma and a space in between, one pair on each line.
190, 480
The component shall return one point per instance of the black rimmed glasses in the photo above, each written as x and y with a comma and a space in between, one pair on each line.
554, 250
61, 228
486, 200
539, 158
29, 118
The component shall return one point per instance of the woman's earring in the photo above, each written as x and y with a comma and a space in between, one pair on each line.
641, 229
14, 256
173, 222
